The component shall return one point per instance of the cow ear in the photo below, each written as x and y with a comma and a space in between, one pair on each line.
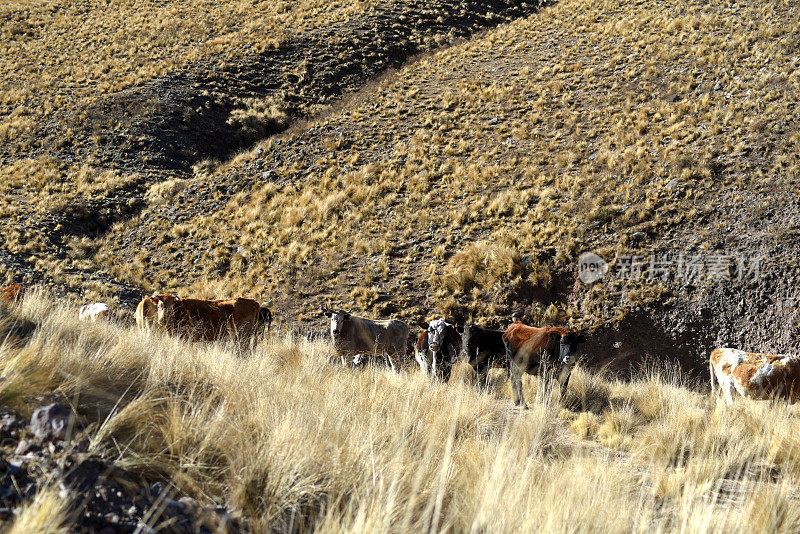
346, 314
422, 324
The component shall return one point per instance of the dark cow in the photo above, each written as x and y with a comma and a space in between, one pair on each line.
437, 347
265, 316
528, 348
362, 338
484, 348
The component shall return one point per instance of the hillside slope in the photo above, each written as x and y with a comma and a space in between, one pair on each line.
468, 183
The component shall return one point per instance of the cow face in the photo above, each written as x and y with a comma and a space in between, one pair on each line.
437, 334
164, 308
567, 346
338, 319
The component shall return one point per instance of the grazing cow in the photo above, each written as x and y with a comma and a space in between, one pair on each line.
363, 338
93, 312
12, 294
528, 348
755, 376
437, 347
202, 320
483, 348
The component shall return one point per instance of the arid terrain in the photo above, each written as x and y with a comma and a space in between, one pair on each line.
412, 159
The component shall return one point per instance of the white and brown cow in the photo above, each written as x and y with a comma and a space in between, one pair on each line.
755, 376
94, 311
363, 339
437, 347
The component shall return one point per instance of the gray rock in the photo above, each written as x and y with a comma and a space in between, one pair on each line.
52, 422
22, 447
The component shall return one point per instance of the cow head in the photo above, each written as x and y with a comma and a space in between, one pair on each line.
164, 309
437, 334
338, 319
566, 341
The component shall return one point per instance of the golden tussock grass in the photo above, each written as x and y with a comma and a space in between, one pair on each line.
574, 129
288, 437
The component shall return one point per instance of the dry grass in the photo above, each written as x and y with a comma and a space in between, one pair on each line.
69, 53
574, 129
46, 514
310, 443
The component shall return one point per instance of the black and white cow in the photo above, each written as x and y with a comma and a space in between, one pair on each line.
437, 347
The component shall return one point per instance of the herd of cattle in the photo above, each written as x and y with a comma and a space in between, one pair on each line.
519, 348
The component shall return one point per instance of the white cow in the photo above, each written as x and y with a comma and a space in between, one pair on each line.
94, 311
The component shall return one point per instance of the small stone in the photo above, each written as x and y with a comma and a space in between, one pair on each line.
190, 505
22, 447
52, 422
174, 505
638, 236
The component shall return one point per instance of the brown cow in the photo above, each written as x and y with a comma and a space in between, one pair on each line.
528, 348
202, 320
12, 294
755, 376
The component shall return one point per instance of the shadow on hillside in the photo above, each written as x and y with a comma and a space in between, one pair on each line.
14, 331
641, 345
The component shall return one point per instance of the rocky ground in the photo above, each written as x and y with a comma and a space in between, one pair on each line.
52, 451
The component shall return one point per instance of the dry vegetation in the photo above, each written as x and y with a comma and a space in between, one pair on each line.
325, 448
467, 181
66, 54
465, 184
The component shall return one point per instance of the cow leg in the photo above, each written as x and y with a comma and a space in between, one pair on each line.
516, 378
446, 368
727, 390
563, 380
516, 385
422, 360
482, 376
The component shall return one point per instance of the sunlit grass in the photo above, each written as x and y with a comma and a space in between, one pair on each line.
286, 436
